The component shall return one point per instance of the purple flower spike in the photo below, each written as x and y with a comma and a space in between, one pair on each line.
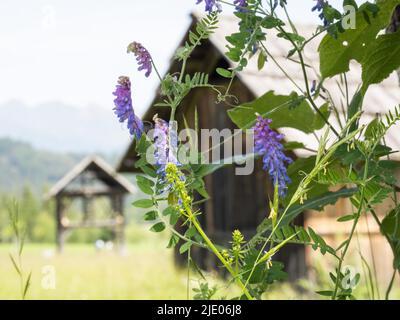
165, 143
268, 144
123, 107
211, 5
143, 57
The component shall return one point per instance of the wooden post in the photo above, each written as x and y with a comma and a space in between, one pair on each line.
117, 204
60, 230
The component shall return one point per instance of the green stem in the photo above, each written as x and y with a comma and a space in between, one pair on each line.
280, 67
156, 70
219, 255
183, 69
308, 91
173, 110
188, 273
178, 234
353, 228
309, 96
390, 285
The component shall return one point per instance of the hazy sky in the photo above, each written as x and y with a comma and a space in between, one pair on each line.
73, 51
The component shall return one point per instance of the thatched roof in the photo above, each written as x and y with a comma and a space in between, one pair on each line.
378, 101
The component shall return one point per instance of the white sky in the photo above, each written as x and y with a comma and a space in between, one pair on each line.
73, 51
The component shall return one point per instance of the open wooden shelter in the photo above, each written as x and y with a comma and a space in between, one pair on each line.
89, 180
242, 201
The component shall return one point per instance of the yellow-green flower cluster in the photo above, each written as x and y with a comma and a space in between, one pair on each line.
237, 241
227, 256
176, 180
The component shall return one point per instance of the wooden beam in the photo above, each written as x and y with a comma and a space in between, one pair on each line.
89, 192
93, 224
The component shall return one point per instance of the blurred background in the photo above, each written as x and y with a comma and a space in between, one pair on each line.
59, 63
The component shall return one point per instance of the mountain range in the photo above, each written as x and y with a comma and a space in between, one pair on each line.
58, 127
23, 165
39, 144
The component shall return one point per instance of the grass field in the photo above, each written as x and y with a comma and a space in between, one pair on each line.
146, 271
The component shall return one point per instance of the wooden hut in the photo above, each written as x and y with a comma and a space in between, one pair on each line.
242, 201
89, 180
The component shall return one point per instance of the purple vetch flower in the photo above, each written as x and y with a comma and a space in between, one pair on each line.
123, 107
143, 57
211, 5
166, 144
319, 6
267, 143
240, 5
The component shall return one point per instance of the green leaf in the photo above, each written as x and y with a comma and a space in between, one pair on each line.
336, 54
293, 145
201, 189
262, 58
174, 217
145, 180
173, 214
391, 224
143, 203
375, 193
354, 107
271, 22
337, 174
151, 215
149, 171
190, 232
224, 73
381, 59
280, 109
345, 218
158, 227
317, 203
319, 242
291, 37
325, 293
141, 145
145, 185
173, 241
185, 247
168, 211
371, 128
